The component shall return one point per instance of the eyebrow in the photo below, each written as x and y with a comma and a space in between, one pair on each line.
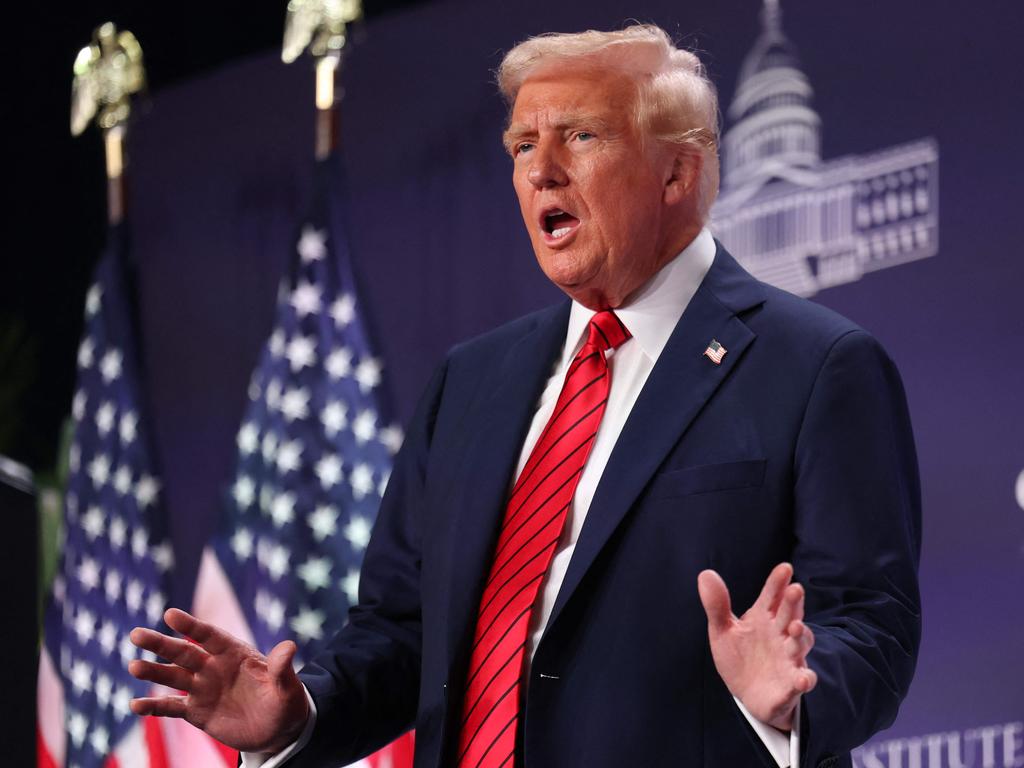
579, 120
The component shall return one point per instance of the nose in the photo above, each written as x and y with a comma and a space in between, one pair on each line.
546, 169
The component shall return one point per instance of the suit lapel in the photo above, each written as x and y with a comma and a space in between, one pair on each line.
490, 459
682, 382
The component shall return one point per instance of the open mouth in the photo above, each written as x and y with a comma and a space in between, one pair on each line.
557, 224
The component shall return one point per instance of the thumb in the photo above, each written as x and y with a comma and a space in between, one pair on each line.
279, 662
714, 596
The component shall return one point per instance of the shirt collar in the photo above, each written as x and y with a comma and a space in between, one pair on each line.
652, 313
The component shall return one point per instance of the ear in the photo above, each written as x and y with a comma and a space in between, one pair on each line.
683, 176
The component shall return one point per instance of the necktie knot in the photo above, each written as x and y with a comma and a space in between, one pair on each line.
606, 331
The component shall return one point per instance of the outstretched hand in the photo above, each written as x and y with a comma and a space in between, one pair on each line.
251, 702
762, 655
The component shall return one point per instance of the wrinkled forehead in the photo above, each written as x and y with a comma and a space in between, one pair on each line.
554, 92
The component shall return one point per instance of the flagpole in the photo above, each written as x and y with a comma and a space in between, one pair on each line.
322, 28
106, 74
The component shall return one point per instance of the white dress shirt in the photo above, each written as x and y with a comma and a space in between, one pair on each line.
651, 315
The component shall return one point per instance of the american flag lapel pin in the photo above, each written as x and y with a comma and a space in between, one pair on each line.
715, 352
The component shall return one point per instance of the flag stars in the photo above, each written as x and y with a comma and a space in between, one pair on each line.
86, 352
368, 373
88, 574
99, 470
301, 353
118, 533
343, 310
248, 439
350, 585
276, 343
111, 364
282, 510
100, 740
127, 651
295, 404
104, 687
128, 428
146, 490
357, 531
108, 637
334, 418
339, 363
93, 523
312, 244
163, 556
133, 596
105, 416
244, 491
84, 626
269, 446
306, 299
361, 481
140, 544
123, 480
154, 607
288, 456
78, 726
78, 404
270, 609
112, 585
242, 544
277, 562
328, 469
365, 426
308, 624
316, 572
391, 437
81, 676
120, 700
323, 522
93, 299
274, 394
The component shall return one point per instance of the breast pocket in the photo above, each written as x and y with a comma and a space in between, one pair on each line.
707, 478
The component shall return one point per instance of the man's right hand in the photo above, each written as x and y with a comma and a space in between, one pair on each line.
251, 702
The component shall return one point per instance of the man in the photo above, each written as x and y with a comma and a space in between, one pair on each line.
546, 584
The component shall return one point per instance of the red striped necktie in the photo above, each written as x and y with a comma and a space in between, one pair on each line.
534, 518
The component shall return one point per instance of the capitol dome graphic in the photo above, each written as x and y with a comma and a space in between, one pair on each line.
800, 222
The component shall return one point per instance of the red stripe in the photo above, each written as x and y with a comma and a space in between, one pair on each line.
155, 746
111, 761
43, 757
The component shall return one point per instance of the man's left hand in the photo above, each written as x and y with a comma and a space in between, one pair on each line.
762, 655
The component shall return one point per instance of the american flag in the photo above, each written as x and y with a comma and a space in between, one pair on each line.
715, 352
116, 557
314, 455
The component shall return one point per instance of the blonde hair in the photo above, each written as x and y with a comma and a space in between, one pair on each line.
676, 102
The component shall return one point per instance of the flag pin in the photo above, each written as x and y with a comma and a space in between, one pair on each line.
715, 352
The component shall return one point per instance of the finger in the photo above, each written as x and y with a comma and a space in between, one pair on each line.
170, 675
714, 596
805, 680
163, 706
791, 604
181, 652
771, 592
210, 637
279, 662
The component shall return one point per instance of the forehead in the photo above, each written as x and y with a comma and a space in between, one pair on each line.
552, 96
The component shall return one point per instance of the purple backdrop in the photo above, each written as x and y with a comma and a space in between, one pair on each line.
221, 168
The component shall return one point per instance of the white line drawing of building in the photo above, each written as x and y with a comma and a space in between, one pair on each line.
801, 223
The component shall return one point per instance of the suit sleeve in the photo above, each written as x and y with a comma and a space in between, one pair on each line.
858, 536
366, 683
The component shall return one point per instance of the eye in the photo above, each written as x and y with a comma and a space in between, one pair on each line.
584, 136
521, 147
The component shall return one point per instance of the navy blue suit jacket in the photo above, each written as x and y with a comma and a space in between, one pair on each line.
797, 448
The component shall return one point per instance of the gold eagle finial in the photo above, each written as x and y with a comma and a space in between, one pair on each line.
106, 73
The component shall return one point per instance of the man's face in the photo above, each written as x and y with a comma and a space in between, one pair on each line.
592, 193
